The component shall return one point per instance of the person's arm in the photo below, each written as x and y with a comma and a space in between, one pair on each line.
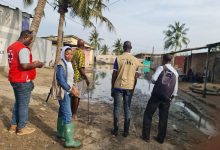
114, 75
136, 77
156, 74
25, 60
61, 78
33, 65
81, 67
176, 87
83, 74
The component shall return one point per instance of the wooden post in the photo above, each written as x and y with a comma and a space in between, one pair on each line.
206, 72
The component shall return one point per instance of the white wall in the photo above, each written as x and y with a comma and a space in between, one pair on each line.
42, 50
10, 28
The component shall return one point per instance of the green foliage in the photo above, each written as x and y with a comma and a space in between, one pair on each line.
175, 36
28, 2
94, 39
104, 49
118, 47
88, 10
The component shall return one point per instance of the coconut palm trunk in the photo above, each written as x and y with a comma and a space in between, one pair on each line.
39, 11
60, 36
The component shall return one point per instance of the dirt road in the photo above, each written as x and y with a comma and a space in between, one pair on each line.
95, 133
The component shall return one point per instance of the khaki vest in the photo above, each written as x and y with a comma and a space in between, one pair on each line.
127, 67
57, 92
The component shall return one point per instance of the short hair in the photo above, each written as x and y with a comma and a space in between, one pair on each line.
127, 45
167, 58
80, 43
26, 33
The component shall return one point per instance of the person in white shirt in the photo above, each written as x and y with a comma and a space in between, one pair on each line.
165, 90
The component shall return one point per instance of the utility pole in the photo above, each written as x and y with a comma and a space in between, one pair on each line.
206, 72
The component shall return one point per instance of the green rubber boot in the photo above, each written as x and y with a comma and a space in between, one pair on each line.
60, 128
68, 135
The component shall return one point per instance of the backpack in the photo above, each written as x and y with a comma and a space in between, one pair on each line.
165, 84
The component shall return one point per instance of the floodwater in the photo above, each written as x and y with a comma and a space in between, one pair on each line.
101, 92
202, 122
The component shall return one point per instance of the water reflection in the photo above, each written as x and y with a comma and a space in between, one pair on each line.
100, 89
203, 123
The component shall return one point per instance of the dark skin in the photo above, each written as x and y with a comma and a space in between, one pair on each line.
27, 40
75, 101
80, 45
127, 48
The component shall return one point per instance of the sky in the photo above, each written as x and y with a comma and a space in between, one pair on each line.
141, 21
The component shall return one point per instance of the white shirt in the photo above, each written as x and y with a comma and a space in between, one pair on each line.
24, 56
158, 72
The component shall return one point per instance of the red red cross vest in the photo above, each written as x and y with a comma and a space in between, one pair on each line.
16, 74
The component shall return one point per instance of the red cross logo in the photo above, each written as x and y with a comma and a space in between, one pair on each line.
10, 56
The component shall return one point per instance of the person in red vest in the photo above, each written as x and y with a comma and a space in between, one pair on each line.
22, 71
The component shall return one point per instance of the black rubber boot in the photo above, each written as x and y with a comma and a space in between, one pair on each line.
126, 127
115, 129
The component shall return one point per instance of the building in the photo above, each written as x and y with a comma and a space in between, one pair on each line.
155, 58
105, 59
12, 22
71, 40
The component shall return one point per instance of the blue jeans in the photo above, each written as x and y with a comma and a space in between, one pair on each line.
126, 95
65, 109
22, 92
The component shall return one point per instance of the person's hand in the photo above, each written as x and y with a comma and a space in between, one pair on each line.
38, 64
87, 83
75, 92
172, 98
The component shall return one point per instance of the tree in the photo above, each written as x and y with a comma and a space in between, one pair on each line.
118, 47
95, 40
39, 11
175, 36
104, 49
86, 10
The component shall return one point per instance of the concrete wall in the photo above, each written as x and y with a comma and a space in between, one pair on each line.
12, 21
109, 59
199, 62
42, 50
10, 28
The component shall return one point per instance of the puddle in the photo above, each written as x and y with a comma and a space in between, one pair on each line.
101, 87
101, 92
205, 124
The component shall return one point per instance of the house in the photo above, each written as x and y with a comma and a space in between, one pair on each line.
155, 58
106, 59
12, 22
197, 62
71, 40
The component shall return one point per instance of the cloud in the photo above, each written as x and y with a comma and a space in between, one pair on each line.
143, 21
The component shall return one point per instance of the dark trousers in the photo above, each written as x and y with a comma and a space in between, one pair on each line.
152, 106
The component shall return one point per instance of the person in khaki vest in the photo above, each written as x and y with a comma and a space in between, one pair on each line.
124, 78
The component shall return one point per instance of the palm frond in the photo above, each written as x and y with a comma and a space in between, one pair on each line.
28, 3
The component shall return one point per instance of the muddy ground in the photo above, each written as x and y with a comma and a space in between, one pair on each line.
95, 132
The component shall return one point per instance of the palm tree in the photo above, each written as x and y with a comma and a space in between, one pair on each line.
86, 10
175, 36
104, 49
118, 47
95, 41
39, 11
